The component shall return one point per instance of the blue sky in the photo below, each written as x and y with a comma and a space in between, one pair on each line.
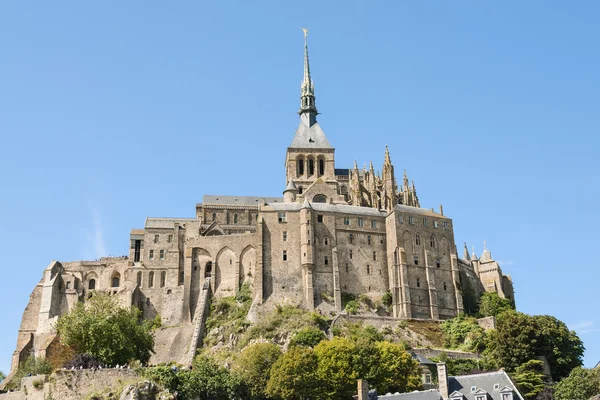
114, 111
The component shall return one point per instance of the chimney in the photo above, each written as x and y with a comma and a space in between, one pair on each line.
443, 380
363, 389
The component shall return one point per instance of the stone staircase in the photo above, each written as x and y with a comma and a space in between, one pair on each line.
202, 309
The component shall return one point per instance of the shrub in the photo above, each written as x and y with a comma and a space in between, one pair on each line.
387, 298
307, 337
38, 384
352, 307
253, 367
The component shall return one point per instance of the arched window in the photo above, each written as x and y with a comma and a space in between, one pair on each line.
163, 279
151, 279
321, 167
235, 218
300, 189
311, 167
320, 199
432, 241
300, 166
418, 239
92, 284
208, 269
214, 217
326, 241
116, 280
139, 278
445, 287
68, 286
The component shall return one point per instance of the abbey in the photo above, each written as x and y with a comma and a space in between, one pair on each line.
334, 231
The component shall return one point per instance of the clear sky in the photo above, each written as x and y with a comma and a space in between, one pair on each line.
113, 111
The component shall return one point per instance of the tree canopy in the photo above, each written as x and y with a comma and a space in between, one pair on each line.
529, 378
253, 367
107, 331
581, 383
492, 305
294, 375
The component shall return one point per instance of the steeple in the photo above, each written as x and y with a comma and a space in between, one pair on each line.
466, 255
308, 111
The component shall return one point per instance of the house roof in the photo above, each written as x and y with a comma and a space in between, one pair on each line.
421, 359
432, 394
490, 382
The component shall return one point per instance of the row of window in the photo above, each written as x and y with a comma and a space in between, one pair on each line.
435, 223
418, 282
157, 238
236, 217
432, 241
438, 263
369, 270
309, 163
161, 254
163, 279
369, 241
360, 222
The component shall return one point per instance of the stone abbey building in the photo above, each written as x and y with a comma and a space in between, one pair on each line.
334, 231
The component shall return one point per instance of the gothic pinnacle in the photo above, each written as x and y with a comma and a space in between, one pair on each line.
307, 89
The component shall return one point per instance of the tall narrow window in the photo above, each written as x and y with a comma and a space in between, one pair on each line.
418, 239
325, 241
411, 220
346, 221
425, 222
350, 254
432, 241
416, 260
155, 238
300, 167
285, 236
374, 256
235, 218
311, 167
151, 279
285, 255
368, 269
137, 250
418, 282
208, 269
369, 239
163, 279
214, 217
401, 219
300, 189
321, 166
346, 267
319, 218
373, 223
361, 222
351, 238
116, 280
139, 278
170, 238
445, 286
326, 260
162, 254
151, 254
92, 284
181, 277
437, 264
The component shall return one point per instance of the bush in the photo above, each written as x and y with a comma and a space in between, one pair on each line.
107, 331
463, 333
492, 304
31, 366
307, 337
38, 384
352, 307
387, 299
253, 367
84, 361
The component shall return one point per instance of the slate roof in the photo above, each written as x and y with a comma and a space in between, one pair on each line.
310, 137
486, 381
417, 210
421, 359
239, 200
432, 394
338, 208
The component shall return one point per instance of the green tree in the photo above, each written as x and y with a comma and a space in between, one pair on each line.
103, 329
463, 333
562, 347
340, 364
469, 298
493, 305
207, 380
395, 370
519, 338
581, 383
308, 336
294, 375
529, 378
253, 367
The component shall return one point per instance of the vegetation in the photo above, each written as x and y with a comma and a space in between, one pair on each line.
253, 367
492, 305
387, 299
294, 376
581, 383
2, 376
30, 367
464, 366
519, 338
469, 296
463, 333
308, 336
84, 361
529, 378
106, 331
206, 380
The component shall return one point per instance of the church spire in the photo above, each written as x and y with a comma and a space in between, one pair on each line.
308, 111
